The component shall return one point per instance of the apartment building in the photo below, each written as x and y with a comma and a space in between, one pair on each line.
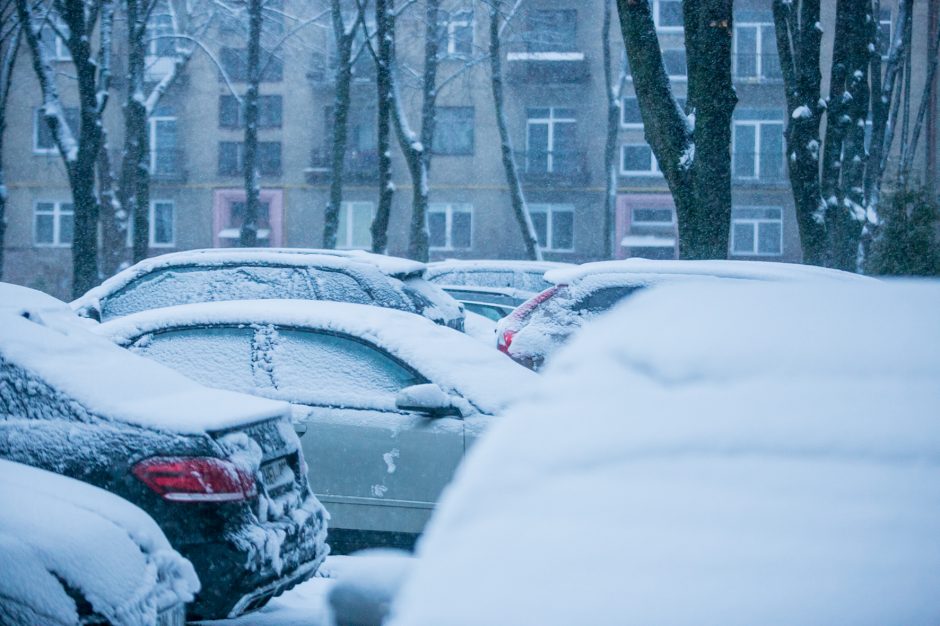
556, 109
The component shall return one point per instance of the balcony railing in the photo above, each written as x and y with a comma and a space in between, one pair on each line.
750, 67
557, 168
540, 62
167, 166
358, 166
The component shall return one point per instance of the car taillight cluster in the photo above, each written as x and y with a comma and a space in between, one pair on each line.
196, 479
511, 324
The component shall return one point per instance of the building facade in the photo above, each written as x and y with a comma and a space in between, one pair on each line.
556, 108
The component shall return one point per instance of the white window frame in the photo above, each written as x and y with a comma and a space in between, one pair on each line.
344, 240
890, 23
551, 121
677, 77
151, 217
654, 166
60, 51
756, 124
630, 125
645, 224
448, 209
758, 55
152, 129
38, 118
452, 26
755, 222
57, 212
154, 43
656, 20
550, 210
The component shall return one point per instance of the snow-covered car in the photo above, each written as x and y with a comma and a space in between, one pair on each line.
219, 274
74, 554
537, 327
491, 288
388, 401
770, 457
222, 473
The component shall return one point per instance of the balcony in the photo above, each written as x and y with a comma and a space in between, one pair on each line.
359, 166
554, 168
757, 68
531, 62
166, 166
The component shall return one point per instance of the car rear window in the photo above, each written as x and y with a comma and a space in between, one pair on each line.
603, 299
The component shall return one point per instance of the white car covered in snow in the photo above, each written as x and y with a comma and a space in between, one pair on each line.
388, 401
71, 554
768, 456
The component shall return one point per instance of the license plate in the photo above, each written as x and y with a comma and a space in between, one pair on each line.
173, 616
274, 472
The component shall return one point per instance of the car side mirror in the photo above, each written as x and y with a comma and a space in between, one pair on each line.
429, 399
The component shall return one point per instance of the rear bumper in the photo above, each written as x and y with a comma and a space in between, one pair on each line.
260, 596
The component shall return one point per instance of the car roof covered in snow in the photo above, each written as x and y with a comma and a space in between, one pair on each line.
754, 270
445, 356
56, 530
768, 457
356, 261
45, 338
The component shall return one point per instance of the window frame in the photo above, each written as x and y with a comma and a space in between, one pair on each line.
344, 241
759, 76
654, 164
550, 209
239, 170
657, 18
435, 150
757, 125
448, 209
152, 133
551, 121
151, 217
39, 118
755, 222
449, 29
153, 43
57, 213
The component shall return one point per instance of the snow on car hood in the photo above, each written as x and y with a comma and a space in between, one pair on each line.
447, 357
755, 270
109, 550
767, 456
43, 337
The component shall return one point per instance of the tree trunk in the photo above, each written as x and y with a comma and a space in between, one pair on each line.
248, 236
614, 91
10, 53
341, 101
385, 37
517, 198
113, 218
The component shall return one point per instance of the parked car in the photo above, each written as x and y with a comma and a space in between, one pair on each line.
768, 456
579, 293
76, 554
388, 401
222, 473
219, 274
491, 288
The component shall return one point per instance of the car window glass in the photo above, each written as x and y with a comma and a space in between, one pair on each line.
603, 299
532, 281
337, 286
329, 370
184, 285
217, 357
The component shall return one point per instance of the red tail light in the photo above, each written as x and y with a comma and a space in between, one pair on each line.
505, 340
195, 479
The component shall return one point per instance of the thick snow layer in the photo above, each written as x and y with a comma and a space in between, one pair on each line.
480, 328
449, 358
365, 585
767, 456
755, 270
109, 550
44, 346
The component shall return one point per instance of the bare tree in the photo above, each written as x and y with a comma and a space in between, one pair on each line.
10, 36
517, 196
81, 21
383, 55
693, 152
614, 91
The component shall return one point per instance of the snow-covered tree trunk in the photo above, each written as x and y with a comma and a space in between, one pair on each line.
614, 91
695, 159
10, 36
248, 236
385, 37
113, 220
517, 197
135, 160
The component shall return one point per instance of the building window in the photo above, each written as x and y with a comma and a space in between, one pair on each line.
355, 224
652, 217
757, 147
552, 30
229, 215
164, 156
554, 226
450, 226
453, 131
162, 220
232, 114
884, 31
550, 140
667, 15
234, 63
161, 28
675, 63
755, 52
630, 116
43, 141
637, 159
54, 46
756, 231
456, 36
53, 223
232, 158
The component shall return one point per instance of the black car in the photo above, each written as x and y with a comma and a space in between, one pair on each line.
221, 473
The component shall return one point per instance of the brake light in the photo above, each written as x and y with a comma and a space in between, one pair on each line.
195, 479
505, 340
